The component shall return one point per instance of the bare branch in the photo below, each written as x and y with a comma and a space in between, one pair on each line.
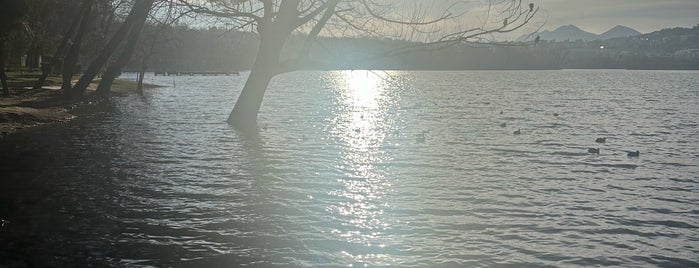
230, 12
419, 24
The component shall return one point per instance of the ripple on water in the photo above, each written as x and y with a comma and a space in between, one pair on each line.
407, 169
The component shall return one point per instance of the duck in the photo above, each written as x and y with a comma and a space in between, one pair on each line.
503, 124
555, 114
593, 150
517, 132
634, 154
420, 138
601, 140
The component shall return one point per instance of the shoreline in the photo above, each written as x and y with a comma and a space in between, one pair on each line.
29, 108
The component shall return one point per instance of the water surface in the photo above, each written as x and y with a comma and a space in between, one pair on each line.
358, 168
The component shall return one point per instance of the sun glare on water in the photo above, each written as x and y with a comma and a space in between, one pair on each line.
362, 99
360, 127
364, 86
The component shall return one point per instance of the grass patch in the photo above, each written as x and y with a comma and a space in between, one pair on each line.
27, 79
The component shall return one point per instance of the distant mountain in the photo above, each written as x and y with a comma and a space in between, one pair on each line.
618, 31
567, 32
572, 32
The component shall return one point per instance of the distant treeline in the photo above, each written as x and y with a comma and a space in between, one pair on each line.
185, 49
180, 48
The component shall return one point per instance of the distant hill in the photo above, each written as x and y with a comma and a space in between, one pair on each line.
567, 32
572, 32
618, 31
674, 42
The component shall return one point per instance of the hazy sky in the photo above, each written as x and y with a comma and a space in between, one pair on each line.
597, 16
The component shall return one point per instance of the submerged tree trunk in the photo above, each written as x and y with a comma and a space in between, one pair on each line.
274, 30
141, 74
74, 51
244, 114
3, 76
138, 11
115, 68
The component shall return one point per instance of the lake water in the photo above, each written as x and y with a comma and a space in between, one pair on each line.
358, 168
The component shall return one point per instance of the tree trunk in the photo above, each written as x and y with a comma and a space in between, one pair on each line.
29, 60
138, 11
3, 76
48, 68
114, 69
141, 74
74, 51
36, 56
244, 114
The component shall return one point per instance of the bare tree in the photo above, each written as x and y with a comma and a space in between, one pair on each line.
274, 21
114, 69
59, 54
133, 22
74, 51
165, 14
10, 19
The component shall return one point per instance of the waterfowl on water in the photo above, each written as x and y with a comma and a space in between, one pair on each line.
593, 150
555, 114
503, 124
634, 154
420, 138
601, 140
517, 132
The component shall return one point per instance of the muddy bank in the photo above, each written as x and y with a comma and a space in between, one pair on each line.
26, 108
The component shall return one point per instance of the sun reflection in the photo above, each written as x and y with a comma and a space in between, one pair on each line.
364, 87
361, 98
360, 126
364, 107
